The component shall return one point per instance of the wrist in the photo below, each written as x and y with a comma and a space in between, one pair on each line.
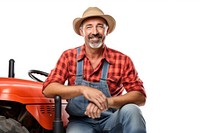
110, 102
80, 89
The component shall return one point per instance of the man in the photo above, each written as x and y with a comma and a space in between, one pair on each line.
97, 76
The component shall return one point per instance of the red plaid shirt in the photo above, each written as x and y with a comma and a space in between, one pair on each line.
121, 74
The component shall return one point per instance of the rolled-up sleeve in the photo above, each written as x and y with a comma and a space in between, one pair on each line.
59, 73
131, 80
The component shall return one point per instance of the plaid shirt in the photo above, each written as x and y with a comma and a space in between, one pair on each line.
121, 74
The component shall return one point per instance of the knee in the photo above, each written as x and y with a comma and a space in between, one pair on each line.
132, 118
130, 109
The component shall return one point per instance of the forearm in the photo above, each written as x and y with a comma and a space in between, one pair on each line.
134, 97
66, 92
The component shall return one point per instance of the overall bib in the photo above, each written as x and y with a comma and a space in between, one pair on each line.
77, 106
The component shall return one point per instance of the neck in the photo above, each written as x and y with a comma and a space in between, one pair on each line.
92, 53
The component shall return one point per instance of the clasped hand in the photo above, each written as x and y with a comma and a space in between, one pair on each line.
98, 102
93, 111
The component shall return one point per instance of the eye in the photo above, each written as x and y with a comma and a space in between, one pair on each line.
88, 27
100, 27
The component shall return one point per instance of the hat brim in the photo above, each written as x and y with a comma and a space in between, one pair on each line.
110, 21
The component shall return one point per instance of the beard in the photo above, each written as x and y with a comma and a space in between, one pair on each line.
95, 40
96, 44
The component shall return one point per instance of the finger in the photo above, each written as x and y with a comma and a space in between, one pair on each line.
93, 111
88, 108
103, 102
98, 113
98, 103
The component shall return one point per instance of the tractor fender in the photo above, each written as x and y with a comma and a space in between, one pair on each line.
22, 91
45, 115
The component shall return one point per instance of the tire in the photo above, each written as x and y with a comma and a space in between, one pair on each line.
11, 126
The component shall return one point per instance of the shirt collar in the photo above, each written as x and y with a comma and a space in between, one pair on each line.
106, 55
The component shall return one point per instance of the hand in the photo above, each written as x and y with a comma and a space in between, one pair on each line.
93, 111
95, 96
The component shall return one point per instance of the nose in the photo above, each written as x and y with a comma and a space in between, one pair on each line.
95, 31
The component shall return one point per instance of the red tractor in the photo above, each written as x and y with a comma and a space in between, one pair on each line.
24, 109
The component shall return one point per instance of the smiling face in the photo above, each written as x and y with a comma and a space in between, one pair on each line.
94, 31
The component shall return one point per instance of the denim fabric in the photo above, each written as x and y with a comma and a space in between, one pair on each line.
127, 119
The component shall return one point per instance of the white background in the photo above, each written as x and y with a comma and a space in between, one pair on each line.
161, 37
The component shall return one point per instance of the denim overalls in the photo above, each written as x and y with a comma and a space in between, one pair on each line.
128, 119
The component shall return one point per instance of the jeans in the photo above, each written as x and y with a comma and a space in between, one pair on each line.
127, 119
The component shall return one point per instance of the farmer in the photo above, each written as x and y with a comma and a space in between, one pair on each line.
96, 77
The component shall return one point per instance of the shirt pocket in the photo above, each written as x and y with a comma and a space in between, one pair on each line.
114, 81
115, 85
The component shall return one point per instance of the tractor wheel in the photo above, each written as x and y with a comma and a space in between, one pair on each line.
11, 126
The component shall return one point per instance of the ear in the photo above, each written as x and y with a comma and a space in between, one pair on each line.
81, 32
106, 31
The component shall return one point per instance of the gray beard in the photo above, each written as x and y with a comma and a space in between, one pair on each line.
96, 45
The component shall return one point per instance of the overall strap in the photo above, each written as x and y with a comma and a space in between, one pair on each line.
104, 71
79, 68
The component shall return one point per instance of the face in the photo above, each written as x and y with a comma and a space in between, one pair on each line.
94, 31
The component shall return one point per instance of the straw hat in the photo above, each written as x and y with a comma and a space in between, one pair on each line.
94, 12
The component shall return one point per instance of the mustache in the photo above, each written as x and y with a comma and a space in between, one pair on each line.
94, 35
